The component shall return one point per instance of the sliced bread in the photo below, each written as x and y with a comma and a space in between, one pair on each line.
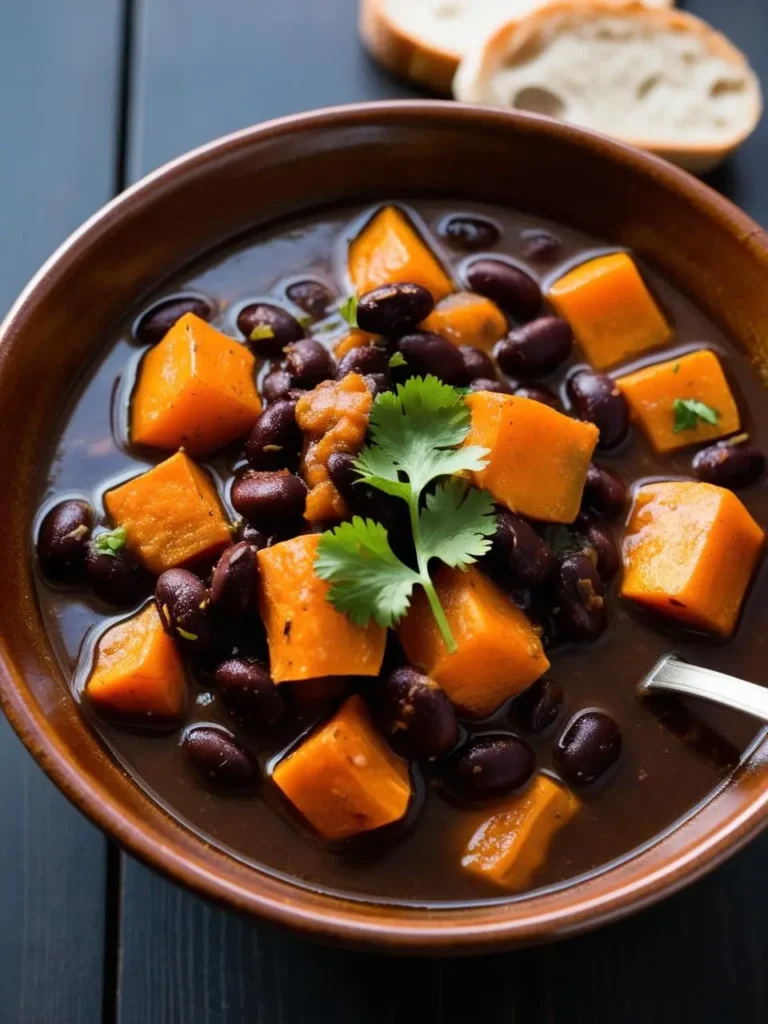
424, 40
659, 79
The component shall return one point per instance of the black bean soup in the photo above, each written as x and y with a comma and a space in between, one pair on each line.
637, 770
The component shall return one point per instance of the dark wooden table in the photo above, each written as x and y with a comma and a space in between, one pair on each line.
93, 94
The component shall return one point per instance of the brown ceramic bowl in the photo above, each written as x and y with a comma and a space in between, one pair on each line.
703, 244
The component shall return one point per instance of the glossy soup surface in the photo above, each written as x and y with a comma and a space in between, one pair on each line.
667, 766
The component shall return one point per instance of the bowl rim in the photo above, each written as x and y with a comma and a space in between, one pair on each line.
376, 925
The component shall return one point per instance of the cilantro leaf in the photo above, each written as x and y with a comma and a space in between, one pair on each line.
348, 309
412, 430
397, 359
111, 542
368, 581
260, 332
688, 412
457, 524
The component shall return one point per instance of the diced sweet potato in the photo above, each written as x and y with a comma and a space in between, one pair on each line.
689, 552
464, 318
195, 390
172, 514
307, 637
653, 392
334, 418
538, 458
613, 315
389, 251
499, 653
344, 779
512, 844
354, 339
138, 669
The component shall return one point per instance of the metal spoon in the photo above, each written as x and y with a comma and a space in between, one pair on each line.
672, 673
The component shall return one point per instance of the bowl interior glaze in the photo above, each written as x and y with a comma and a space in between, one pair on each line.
706, 247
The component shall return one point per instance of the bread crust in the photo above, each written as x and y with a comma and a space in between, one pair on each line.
525, 34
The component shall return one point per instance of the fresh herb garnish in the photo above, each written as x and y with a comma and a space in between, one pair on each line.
111, 542
398, 359
187, 635
261, 332
348, 309
304, 320
688, 412
414, 436
676, 368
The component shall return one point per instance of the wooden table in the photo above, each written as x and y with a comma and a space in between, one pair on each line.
93, 94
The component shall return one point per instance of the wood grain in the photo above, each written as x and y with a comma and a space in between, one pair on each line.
59, 85
203, 69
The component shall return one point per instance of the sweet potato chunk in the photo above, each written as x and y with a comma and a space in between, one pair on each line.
613, 315
334, 418
389, 251
196, 390
344, 779
538, 458
307, 637
689, 553
172, 514
464, 318
138, 669
512, 844
655, 392
354, 339
498, 655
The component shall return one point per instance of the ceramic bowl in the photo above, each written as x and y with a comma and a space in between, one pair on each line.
697, 239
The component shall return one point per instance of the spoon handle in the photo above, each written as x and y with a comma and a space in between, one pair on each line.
670, 673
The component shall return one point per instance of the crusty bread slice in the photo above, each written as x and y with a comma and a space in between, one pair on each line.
659, 79
424, 40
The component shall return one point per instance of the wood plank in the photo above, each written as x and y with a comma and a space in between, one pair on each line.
201, 70
59, 87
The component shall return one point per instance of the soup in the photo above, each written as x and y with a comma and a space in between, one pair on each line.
593, 416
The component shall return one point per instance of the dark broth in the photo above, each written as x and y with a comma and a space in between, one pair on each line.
672, 760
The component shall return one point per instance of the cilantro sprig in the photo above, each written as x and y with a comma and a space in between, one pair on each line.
111, 542
688, 412
414, 433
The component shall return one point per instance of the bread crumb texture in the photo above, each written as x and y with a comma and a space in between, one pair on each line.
626, 76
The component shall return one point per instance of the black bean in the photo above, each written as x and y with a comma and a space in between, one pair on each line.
309, 363
540, 245
269, 498
581, 597
596, 398
509, 287
276, 385
415, 715
157, 321
729, 465
311, 296
394, 309
590, 744
233, 585
364, 360
538, 393
470, 233
248, 693
255, 536
63, 540
268, 329
604, 492
498, 386
362, 500
218, 758
117, 577
519, 550
478, 365
535, 348
608, 559
377, 383
426, 352
182, 602
275, 440
539, 707
491, 766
